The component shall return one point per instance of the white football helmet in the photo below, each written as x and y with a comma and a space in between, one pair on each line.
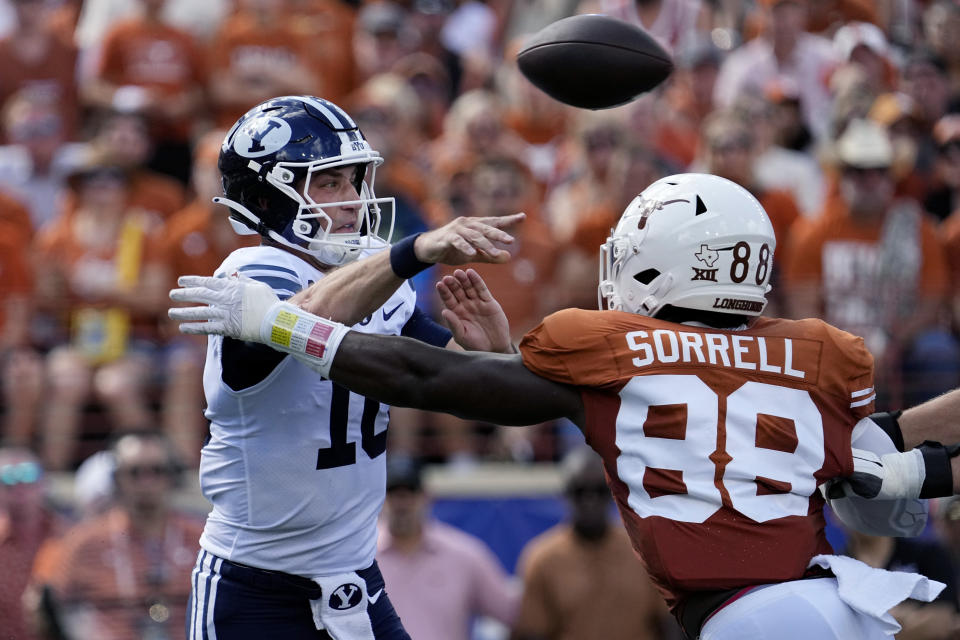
693, 241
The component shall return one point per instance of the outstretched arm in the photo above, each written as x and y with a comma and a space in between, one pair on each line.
490, 387
937, 419
398, 371
350, 293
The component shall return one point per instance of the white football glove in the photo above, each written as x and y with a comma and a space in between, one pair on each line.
891, 476
235, 306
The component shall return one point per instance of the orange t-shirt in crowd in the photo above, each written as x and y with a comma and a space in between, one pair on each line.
16, 280
50, 79
836, 230
77, 265
714, 441
191, 244
846, 259
561, 577
13, 212
153, 56
125, 586
248, 50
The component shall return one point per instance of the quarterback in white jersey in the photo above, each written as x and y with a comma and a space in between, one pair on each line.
295, 464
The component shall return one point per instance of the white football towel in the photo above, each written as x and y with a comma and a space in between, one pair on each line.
342, 609
874, 592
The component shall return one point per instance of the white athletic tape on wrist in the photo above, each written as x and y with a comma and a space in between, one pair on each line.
311, 339
904, 474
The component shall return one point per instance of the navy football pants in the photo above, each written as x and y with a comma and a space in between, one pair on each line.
230, 601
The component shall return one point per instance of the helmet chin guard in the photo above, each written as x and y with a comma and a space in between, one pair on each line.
693, 241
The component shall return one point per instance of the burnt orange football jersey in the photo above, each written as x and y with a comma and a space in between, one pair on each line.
714, 441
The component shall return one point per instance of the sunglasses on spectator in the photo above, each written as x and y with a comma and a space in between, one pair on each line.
142, 470
20, 473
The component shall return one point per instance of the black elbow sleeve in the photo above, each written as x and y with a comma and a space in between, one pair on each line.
889, 422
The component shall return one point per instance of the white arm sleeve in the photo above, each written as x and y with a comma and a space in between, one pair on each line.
904, 518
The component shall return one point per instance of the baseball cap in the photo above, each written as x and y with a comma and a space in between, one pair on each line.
864, 145
852, 35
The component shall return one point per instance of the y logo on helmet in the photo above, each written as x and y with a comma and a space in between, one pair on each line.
261, 137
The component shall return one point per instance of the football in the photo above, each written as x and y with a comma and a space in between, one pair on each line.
594, 61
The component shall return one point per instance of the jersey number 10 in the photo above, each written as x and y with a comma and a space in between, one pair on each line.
341, 453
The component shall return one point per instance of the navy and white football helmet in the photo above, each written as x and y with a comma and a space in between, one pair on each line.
267, 160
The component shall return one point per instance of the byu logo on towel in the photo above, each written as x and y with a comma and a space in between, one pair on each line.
346, 596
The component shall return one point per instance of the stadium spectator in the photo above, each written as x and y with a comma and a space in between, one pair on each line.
326, 29
672, 22
26, 519
383, 35
255, 55
98, 271
689, 95
923, 78
941, 31
943, 198
148, 66
864, 45
40, 64
473, 130
124, 137
431, 80
126, 572
937, 620
873, 265
565, 567
783, 51
777, 167
33, 163
439, 579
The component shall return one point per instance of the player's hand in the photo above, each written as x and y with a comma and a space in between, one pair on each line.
473, 314
235, 306
891, 476
468, 240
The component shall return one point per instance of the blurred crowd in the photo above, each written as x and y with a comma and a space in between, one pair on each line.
841, 116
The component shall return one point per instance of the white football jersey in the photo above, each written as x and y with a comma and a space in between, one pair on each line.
295, 465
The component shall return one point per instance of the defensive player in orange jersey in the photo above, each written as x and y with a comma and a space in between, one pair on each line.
716, 426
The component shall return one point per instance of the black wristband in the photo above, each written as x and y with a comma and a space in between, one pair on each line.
403, 259
939, 473
888, 421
